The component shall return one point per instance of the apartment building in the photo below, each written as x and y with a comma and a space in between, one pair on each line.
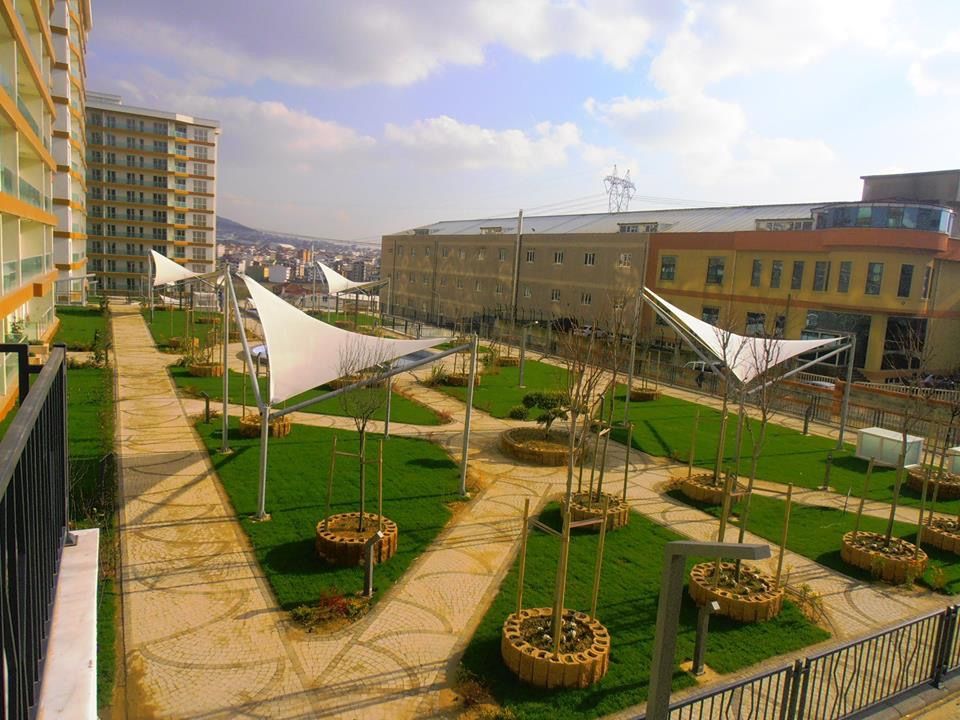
151, 184
70, 25
882, 268
32, 54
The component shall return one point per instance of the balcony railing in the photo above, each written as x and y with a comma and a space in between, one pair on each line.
6, 179
22, 105
30, 194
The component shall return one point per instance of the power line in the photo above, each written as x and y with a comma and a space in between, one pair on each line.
619, 191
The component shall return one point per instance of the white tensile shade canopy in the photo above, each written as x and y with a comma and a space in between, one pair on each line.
746, 357
305, 352
166, 271
337, 283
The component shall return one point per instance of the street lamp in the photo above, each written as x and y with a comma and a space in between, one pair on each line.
675, 556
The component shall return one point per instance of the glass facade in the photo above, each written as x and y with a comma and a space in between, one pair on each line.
886, 215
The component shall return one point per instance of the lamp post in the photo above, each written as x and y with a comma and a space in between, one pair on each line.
675, 555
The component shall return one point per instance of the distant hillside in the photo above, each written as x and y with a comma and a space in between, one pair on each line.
232, 231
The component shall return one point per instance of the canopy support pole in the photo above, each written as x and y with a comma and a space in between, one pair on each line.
845, 403
254, 376
264, 443
471, 381
150, 278
225, 328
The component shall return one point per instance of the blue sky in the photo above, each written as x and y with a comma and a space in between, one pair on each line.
355, 119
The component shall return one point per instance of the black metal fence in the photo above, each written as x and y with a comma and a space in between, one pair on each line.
843, 682
34, 500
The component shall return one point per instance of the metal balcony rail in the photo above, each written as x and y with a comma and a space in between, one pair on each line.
34, 497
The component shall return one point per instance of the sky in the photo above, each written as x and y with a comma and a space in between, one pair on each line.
358, 118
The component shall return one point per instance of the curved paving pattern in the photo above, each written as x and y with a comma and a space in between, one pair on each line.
203, 635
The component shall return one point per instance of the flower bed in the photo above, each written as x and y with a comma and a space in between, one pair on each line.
947, 486
893, 563
183, 343
527, 649
943, 534
701, 488
204, 369
340, 543
618, 511
644, 394
754, 599
530, 445
279, 427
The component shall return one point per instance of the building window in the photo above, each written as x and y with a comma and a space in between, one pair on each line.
499, 289
476, 286
425, 278
199, 236
526, 291
502, 254
796, 279
531, 255
906, 280
399, 250
481, 253
199, 169
555, 295
459, 283
710, 315
755, 272
715, 271
443, 282
558, 257
426, 252
199, 135
755, 323
625, 260
874, 279
668, 267
200, 153
444, 252
199, 253
199, 186
843, 278
585, 298
776, 273
461, 253
821, 275
590, 259
631, 228
925, 290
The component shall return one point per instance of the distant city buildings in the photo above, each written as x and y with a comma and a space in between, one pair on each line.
882, 268
152, 184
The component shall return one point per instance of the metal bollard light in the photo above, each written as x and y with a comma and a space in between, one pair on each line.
700, 644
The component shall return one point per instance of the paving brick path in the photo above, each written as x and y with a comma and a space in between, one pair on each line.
203, 637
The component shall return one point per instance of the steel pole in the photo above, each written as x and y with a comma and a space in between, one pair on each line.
264, 442
471, 381
523, 352
386, 422
150, 284
845, 403
224, 447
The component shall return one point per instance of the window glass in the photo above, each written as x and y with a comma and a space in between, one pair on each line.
843, 278
755, 273
821, 275
906, 280
715, 271
776, 273
796, 280
668, 267
874, 278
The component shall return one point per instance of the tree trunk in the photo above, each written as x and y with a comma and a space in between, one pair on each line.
363, 478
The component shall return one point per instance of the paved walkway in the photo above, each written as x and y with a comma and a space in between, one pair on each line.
203, 637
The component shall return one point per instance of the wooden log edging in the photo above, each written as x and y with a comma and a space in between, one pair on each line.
342, 551
753, 607
541, 668
947, 488
644, 395
940, 537
460, 379
205, 369
890, 568
279, 427
511, 361
700, 489
618, 510
517, 448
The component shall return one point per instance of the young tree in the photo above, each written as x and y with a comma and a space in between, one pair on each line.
357, 361
554, 407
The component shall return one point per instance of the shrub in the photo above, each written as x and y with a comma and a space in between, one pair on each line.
519, 412
553, 404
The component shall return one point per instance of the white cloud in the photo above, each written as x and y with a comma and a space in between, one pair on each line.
937, 70
323, 44
444, 141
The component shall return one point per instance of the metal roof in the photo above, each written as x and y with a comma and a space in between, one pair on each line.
708, 219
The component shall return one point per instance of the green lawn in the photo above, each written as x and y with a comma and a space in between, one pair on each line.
628, 604
171, 323
815, 533
78, 325
332, 317
664, 427
498, 390
419, 480
403, 410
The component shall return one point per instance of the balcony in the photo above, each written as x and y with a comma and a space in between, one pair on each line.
30, 194
28, 115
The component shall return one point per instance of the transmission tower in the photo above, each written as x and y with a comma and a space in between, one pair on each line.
619, 191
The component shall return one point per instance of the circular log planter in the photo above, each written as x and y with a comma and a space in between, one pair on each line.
894, 564
343, 381
210, 369
340, 544
182, 343
460, 379
539, 667
529, 445
644, 395
757, 599
618, 511
700, 488
250, 426
207, 319
344, 324
943, 534
947, 487
511, 361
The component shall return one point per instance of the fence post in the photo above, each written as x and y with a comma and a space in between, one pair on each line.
789, 709
945, 634
799, 701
